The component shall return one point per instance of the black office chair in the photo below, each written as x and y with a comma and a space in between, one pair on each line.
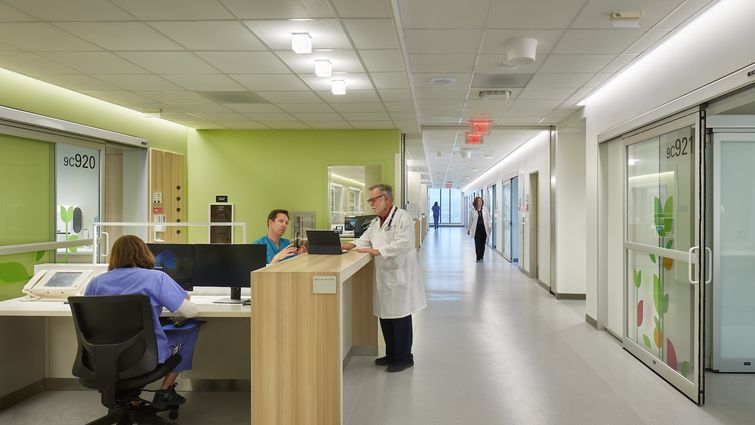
117, 356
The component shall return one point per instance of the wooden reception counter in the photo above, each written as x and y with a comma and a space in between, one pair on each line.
310, 314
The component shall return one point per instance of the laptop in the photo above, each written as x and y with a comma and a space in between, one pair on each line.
323, 242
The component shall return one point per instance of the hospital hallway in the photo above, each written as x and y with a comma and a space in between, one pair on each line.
494, 347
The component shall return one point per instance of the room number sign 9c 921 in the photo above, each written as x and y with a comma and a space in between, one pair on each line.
680, 147
79, 161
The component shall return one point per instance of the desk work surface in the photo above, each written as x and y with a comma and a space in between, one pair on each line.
205, 305
344, 265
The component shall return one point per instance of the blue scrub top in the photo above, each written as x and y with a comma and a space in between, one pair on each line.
272, 250
161, 289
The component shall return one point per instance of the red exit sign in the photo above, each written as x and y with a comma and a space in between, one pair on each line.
449, 185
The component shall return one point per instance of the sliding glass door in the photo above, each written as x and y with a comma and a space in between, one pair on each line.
662, 233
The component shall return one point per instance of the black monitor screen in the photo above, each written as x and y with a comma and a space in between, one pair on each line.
361, 224
348, 224
227, 264
176, 260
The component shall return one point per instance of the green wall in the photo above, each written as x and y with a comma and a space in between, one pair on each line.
261, 170
26, 205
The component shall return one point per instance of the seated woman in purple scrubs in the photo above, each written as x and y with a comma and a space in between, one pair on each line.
130, 272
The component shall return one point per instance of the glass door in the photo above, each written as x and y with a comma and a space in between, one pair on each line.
493, 215
506, 221
662, 230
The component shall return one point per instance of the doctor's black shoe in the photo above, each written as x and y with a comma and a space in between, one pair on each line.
398, 367
167, 398
383, 361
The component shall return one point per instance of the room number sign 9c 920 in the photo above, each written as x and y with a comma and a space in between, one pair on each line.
79, 161
680, 147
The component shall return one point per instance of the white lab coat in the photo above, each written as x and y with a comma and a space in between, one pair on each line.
399, 287
473, 221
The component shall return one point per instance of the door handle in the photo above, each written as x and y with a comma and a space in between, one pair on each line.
709, 261
107, 243
689, 264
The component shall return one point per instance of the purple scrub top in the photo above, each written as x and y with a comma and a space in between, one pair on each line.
161, 289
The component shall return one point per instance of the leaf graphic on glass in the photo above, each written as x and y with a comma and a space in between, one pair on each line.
684, 368
66, 214
668, 216
658, 216
668, 263
670, 354
640, 309
646, 340
657, 333
13, 272
637, 278
40, 255
652, 258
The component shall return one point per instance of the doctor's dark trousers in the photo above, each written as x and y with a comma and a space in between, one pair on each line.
480, 236
398, 339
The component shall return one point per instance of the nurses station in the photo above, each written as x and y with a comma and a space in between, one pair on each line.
281, 332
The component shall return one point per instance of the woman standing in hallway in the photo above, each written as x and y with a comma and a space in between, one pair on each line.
479, 226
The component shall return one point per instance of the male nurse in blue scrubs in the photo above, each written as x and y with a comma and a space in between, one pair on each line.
278, 247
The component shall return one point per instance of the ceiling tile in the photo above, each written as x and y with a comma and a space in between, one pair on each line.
245, 62
683, 13
285, 125
29, 64
326, 125
443, 41
201, 125
442, 63
194, 108
169, 62
382, 60
399, 106
270, 82
169, 10
353, 81
173, 96
443, 13
252, 107
41, 37
11, 14
144, 82
363, 8
210, 35
533, 14
178, 116
390, 80
535, 104
558, 80
123, 98
5, 48
94, 62
577, 42
78, 82
372, 33
325, 33
205, 82
395, 95
316, 116
120, 35
279, 9
618, 63
439, 93
220, 116
598, 79
494, 64
303, 96
595, 14
647, 41
462, 80
368, 125
71, 10
242, 125
360, 107
555, 64
305, 107
545, 94
340, 60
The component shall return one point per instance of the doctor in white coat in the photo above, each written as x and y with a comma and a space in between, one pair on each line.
399, 288
479, 226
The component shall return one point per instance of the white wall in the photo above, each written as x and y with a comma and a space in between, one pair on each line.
533, 156
686, 70
414, 194
570, 213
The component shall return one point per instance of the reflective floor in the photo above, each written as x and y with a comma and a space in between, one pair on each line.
493, 347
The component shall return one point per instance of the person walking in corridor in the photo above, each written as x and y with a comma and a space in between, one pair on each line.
436, 213
479, 226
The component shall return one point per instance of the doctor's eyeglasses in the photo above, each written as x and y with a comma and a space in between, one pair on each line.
372, 200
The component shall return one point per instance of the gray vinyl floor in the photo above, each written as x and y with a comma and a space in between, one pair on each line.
493, 347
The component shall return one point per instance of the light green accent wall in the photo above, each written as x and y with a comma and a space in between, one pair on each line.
26, 205
27, 94
261, 170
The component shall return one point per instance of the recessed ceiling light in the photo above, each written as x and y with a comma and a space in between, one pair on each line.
441, 81
323, 68
301, 19
301, 42
338, 87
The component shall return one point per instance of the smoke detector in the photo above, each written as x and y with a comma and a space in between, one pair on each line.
502, 95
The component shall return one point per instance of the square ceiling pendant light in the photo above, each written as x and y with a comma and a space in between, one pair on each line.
323, 68
338, 87
627, 19
473, 138
301, 42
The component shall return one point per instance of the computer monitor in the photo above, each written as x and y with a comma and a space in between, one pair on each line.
323, 242
227, 265
176, 260
361, 223
348, 224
